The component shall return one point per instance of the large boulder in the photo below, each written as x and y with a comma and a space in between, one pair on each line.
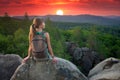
86, 58
8, 65
108, 69
83, 57
47, 70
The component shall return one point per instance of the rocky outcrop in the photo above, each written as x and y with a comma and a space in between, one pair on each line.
47, 70
8, 64
108, 69
83, 57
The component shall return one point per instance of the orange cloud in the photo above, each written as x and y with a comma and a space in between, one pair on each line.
70, 7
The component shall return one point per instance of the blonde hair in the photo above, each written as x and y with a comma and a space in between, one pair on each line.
36, 23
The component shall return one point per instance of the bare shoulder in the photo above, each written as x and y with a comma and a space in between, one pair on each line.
30, 27
47, 34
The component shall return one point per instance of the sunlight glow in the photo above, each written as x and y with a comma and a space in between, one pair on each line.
59, 12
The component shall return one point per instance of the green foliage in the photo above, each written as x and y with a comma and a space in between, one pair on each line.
78, 36
57, 39
92, 38
14, 37
3, 43
21, 42
16, 41
14, 44
104, 43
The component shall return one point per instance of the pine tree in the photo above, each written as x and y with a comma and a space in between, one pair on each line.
6, 17
6, 14
26, 17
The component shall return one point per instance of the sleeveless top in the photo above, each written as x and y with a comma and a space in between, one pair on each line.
47, 52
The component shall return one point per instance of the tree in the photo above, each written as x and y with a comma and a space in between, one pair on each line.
57, 38
78, 36
21, 42
6, 14
26, 17
3, 44
6, 17
115, 51
92, 38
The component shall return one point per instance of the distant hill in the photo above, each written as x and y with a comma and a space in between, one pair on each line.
92, 19
114, 17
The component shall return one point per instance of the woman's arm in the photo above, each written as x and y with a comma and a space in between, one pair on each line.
30, 48
29, 51
30, 37
49, 44
28, 56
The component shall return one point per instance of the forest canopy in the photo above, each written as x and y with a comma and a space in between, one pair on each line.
103, 39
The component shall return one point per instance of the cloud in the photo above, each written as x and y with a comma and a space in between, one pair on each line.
75, 6
55, 2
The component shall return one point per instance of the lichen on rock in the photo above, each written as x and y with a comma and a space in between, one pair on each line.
47, 70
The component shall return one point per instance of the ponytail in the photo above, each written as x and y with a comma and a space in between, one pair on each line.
36, 23
33, 29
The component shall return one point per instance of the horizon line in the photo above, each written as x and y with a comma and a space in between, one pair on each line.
62, 15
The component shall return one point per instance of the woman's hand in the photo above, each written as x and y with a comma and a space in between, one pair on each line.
54, 60
25, 59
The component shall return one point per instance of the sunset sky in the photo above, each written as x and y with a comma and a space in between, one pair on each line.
69, 7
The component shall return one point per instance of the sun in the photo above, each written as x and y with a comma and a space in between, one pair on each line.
59, 12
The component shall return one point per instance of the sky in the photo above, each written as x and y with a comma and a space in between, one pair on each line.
69, 7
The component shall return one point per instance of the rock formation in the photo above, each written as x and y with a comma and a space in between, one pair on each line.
47, 70
8, 64
83, 57
108, 69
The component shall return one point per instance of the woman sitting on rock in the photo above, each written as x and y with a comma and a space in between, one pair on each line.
39, 42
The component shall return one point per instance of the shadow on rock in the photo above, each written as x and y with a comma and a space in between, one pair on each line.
83, 57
